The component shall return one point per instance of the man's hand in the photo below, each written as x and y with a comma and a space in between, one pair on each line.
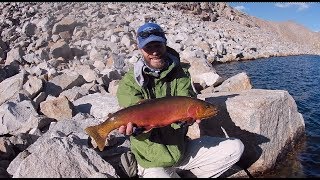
130, 129
198, 121
126, 130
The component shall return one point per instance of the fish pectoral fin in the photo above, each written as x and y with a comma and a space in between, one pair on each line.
148, 128
186, 121
138, 130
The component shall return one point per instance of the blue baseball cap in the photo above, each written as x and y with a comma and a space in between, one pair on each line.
150, 32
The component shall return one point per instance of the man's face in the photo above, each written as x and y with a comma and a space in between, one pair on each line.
154, 54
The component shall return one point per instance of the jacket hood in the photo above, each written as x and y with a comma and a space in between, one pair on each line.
140, 67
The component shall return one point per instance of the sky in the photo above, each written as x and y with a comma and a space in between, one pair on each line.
306, 14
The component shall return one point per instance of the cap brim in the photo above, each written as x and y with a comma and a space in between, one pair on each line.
151, 38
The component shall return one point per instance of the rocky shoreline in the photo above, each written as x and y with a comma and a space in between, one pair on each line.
60, 64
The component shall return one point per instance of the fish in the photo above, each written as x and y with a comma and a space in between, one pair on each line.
153, 113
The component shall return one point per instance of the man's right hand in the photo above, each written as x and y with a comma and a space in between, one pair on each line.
130, 129
126, 130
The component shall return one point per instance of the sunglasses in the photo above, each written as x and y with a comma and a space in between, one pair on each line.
147, 32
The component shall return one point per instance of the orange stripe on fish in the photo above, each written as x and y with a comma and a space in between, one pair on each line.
153, 113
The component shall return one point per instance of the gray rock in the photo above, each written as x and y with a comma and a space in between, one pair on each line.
63, 82
17, 117
61, 49
15, 54
266, 121
10, 87
238, 82
74, 93
66, 24
97, 105
33, 86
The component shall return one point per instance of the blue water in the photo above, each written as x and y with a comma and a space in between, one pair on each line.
300, 76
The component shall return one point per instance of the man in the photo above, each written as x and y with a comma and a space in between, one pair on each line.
161, 152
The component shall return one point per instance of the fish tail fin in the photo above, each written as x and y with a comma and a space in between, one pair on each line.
98, 134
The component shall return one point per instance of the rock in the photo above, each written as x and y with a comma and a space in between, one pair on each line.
59, 108
266, 121
113, 86
63, 82
238, 82
97, 105
61, 49
11, 86
87, 72
66, 24
33, 86
17, 117
75, 93
15, 55
58, 157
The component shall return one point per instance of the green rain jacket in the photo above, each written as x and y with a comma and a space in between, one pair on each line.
165, 146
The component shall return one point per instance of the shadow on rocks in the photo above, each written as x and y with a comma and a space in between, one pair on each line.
83, 108
112, 152
52, 89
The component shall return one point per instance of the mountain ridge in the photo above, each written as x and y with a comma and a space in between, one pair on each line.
289, 30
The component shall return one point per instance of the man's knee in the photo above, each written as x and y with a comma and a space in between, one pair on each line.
238, 147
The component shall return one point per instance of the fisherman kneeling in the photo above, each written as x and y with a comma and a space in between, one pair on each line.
162, 152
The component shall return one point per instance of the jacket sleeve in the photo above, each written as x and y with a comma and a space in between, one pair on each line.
127, 93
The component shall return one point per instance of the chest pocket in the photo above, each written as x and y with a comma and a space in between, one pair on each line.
170, 83
162, 87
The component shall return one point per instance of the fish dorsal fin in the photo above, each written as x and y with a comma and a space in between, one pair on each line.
109, 115
141, 101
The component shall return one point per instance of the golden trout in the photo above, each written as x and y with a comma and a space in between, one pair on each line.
153, 113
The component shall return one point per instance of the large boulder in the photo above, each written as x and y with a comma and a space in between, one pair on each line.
266, 121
